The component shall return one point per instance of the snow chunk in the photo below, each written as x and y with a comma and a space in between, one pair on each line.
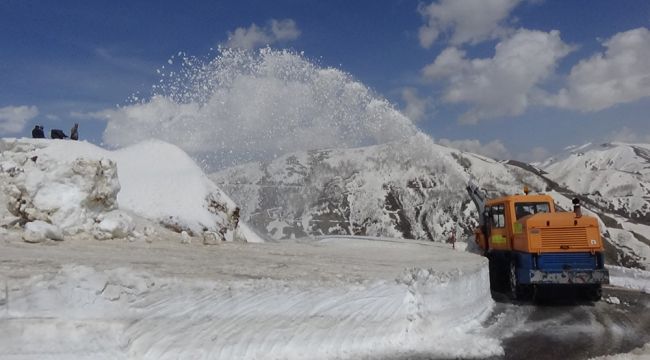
185, 238
39, 231
613, 300
113, 225
68, 194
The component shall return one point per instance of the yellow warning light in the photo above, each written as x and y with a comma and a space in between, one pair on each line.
526, 189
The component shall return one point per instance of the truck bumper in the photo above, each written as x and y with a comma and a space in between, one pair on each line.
598, 276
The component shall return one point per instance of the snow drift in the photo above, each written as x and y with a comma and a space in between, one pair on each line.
75, 187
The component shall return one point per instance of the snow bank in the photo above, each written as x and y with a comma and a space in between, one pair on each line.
74, 185
119, 313
634, 279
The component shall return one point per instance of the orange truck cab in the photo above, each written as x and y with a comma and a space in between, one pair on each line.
529, 244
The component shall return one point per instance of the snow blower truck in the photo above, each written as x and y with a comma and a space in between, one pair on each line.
530, 246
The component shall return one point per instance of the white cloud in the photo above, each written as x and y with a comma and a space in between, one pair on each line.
619, 75
284, 29
504, 85
255, 36
467, 21
494, 149
14, 118
416, 107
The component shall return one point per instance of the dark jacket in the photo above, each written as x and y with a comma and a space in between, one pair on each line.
74, 132
57, 134
37, 132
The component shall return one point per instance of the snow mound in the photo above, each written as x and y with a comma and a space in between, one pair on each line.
75, 186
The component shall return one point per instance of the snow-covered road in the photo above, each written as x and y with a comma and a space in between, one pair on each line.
329, 298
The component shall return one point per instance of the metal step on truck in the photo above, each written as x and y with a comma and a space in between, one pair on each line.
531, 246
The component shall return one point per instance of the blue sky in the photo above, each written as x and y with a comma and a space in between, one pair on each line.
60, 60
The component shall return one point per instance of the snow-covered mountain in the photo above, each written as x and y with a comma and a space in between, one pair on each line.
615, 176
410, 189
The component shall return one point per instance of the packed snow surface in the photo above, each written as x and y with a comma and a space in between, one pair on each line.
340, 298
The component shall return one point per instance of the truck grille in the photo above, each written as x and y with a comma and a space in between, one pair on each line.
557, 238
567, 261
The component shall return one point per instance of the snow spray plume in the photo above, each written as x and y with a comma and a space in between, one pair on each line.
251, 105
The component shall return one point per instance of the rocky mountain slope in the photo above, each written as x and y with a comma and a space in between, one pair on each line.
410, 189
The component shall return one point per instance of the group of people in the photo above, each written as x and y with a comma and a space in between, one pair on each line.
39, 133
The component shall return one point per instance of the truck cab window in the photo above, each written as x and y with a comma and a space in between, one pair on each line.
525, 209
498, 216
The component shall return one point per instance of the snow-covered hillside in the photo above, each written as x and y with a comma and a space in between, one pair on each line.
409, 189
614, 175
613, 180
57, 188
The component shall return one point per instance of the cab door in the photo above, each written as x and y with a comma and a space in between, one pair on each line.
498, 228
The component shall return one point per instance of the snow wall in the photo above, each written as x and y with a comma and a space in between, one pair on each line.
83, 313
79, 187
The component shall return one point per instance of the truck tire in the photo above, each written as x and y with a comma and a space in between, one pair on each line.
512, 277
518, 291
498, 268
595, 292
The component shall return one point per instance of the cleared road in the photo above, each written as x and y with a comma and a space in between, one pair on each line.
571, 329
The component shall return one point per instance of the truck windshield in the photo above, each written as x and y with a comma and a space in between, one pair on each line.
525, 209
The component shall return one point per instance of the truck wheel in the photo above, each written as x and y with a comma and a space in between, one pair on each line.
498, 282
514, 287
595, 292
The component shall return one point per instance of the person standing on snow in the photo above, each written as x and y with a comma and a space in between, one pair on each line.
74, 132
37, 132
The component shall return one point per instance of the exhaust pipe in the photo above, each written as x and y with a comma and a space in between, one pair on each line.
576, 207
